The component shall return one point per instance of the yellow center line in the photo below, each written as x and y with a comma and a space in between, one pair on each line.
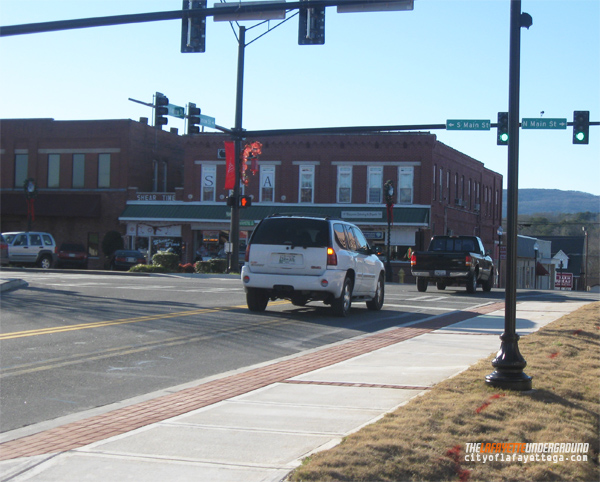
102, 324
50, 364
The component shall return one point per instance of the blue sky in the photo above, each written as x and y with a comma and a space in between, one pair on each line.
446, 59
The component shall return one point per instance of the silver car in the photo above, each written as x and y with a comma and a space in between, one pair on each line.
31, 248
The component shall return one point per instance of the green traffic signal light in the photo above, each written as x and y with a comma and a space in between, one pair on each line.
502, 137
581, 126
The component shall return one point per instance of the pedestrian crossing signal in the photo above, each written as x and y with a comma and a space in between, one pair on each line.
245, 201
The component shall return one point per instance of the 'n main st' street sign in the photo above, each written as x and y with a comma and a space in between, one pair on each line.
539, 123
467, 125
207, 121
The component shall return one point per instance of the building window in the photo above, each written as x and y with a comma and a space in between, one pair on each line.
21, 161
307, 184
469, 194
441, 181
209, 175
434, 183
344, 183
375, 187
104, 170
78, 171
53, 170
456, 186
448, 186
405, 185
267, 183
93, 245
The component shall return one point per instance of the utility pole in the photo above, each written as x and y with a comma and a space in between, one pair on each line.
234, 231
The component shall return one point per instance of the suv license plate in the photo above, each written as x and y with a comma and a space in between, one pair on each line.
287, 259
440, 272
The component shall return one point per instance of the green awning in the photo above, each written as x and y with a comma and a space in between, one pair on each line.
194, 213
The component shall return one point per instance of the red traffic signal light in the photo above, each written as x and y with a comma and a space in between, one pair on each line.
245, 201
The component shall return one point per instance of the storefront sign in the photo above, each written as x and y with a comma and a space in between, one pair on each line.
151, 230
155, 196
362, 214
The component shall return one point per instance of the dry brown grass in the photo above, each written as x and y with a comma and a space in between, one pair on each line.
425, 439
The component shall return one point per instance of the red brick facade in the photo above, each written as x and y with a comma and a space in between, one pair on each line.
170, 186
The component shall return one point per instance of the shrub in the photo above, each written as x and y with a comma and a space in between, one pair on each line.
169, 261
211, 266
147, 268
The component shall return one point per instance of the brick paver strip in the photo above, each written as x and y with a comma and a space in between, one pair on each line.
93, 429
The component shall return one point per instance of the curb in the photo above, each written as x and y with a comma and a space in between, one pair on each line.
12, 284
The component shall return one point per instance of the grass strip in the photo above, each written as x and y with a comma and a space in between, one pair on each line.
425, 440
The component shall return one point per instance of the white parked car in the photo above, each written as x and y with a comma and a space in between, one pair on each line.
310, 258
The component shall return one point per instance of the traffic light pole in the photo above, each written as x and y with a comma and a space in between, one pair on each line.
509, 363
234, 230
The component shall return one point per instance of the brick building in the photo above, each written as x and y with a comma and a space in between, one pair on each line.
437, 189
82, 170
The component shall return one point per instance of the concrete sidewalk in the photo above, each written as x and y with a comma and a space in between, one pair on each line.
257, 424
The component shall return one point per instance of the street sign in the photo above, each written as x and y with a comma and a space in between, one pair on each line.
176, 111
539, 123
207, 121
467, 125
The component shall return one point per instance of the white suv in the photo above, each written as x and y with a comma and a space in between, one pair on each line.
306, 258
28, 247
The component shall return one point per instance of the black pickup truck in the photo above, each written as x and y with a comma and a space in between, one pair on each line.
453, 260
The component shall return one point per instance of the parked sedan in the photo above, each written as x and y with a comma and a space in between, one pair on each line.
123, 259
72, 254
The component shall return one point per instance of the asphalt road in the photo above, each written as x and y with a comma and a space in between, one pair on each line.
74, 341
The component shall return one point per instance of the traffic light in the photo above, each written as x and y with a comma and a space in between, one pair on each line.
160, 110
502, 139
311, 26
193, 119
245, 201
231, 201
193, 29
581, 126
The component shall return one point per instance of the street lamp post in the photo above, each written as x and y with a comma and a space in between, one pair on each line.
585, 261
509, 363
536, 249
388, 189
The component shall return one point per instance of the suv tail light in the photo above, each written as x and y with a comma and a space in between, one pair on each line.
413, 259
468, 261
331, 257
247, 257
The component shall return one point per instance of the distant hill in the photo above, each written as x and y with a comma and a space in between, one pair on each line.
538, 201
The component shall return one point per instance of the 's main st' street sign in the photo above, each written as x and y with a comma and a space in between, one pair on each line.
467, 125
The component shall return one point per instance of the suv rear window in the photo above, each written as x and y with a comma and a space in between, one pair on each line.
312, 233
